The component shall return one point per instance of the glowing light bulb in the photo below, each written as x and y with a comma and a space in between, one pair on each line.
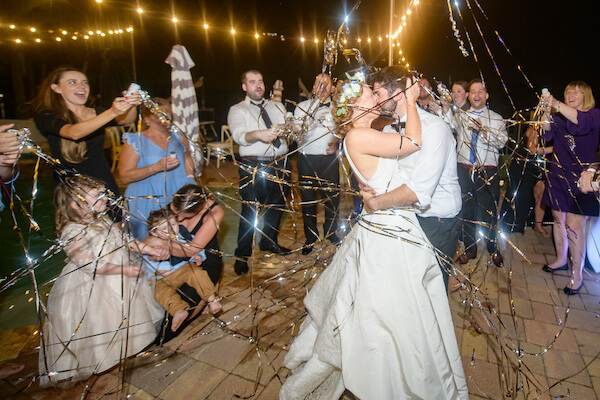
232, 31
32, 29
38, 40
404, 23
139, 10
174, 19
102, 34
380, 39
256, 35
369, 40
12, 26
110, 32
205, 26
64, 32
359, 40
416, 2
18, 40
74, 37
404, 18
98, 31
98, 1
346, 18
302, 39
86, 37
90, 33
409, 11
58, 39
316, 40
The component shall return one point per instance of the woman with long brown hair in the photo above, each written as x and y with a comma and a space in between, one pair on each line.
74, 129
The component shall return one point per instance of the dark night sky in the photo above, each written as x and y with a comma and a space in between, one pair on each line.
549, 40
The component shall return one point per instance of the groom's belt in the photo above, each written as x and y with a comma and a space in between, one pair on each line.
477, 167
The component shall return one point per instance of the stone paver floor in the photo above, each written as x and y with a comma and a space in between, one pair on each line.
512, 326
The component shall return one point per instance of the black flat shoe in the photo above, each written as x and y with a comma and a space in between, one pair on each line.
571, 292
307, 249
548, 269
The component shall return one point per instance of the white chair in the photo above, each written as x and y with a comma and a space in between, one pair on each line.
225, 146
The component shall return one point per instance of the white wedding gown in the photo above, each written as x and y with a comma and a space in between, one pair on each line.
378, 318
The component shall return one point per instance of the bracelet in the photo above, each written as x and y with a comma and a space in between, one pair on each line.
558, 107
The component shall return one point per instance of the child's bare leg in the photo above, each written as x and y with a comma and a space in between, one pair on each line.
178, 319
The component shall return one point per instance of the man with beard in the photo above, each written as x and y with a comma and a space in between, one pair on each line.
254, 124
431, 183
481, 133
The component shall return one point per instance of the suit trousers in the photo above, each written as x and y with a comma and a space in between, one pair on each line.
319, 174
260, 187
480, 189
443, 234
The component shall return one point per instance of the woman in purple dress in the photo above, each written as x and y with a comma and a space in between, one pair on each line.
575, 128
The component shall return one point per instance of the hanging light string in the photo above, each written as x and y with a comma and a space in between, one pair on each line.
461, 44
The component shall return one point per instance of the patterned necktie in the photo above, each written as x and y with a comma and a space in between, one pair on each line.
267, 120
474, 136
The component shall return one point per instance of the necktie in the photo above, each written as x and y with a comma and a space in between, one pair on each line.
398, 125
267, 120
474, 136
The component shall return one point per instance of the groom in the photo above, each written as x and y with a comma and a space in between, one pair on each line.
431, 183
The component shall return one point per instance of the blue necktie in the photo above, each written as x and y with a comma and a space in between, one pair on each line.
474, 136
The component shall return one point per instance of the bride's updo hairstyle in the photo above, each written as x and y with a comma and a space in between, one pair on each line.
346, 93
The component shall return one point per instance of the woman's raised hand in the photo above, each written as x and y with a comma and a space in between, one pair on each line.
165, 164
134, 99
120, 106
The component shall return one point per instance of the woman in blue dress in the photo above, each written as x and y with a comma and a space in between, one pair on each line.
155, 163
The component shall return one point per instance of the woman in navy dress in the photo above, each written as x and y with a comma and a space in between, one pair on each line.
575, 128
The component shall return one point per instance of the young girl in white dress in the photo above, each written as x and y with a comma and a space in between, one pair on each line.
378, 320
100, 309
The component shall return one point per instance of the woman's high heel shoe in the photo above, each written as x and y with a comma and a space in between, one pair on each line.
571, 292
548, 269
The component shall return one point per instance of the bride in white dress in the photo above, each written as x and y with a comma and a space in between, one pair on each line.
378, 320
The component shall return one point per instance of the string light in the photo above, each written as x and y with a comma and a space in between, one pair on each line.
38, 40
12, 26
32, 29
18, 41
316, 40
205, 26
64, 32
256, 35
174, 19
302, 39
232, 31
139, 10
58, 38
